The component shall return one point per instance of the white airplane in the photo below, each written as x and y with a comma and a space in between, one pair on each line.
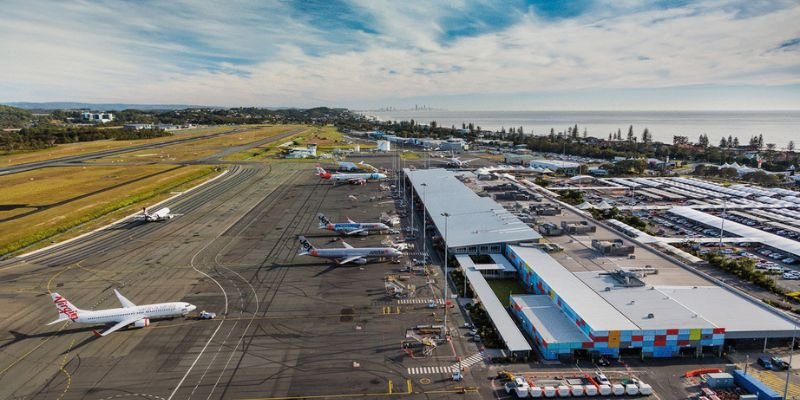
348, 254
355, 179
353, 228
366, 167
456, 162
129, 314
347, 166
160, 215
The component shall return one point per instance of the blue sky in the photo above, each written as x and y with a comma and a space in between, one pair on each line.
479, 55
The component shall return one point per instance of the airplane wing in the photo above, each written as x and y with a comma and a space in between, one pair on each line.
470, 160
349, 259
121, 324
353, 233
346, 246
122, 300
351, 221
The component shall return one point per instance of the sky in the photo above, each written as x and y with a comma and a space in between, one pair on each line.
368, 54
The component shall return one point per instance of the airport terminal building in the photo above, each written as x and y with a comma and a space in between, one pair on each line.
571, 314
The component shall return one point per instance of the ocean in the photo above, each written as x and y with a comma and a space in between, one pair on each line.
778, 127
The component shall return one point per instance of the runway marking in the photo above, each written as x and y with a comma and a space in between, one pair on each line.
389, 393
22, 357
203, 350
61, 367
420, 301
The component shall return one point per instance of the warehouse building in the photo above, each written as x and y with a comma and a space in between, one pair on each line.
562, 167
571, 314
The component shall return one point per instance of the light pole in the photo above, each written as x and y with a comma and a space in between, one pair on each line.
424, 225
789, 370
446, 217
412, 211
722, 225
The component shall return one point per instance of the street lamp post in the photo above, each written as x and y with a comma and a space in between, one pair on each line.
722, 225
446, 217
424, 225
789, 370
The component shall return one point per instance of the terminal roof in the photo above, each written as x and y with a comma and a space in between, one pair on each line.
473, 220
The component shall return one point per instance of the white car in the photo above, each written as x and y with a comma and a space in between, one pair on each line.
207, 315
601, 378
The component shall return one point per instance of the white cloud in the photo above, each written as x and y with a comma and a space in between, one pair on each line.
258, 55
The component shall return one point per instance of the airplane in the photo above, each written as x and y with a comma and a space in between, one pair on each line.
348, 254
366, 167
456, 162
158, 216
347, 166
352, 227
355, 179
128, 315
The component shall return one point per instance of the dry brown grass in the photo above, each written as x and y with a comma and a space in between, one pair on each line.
202, 148
53, 185
74, 149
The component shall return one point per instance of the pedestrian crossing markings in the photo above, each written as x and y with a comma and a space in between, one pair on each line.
465, 363
419, 301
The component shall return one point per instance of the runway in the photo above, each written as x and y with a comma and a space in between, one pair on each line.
286, 326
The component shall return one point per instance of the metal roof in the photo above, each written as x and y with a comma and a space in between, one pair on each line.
638, 303
473, 220
588, 304
765, 238
549, 321
740, 317
513, 338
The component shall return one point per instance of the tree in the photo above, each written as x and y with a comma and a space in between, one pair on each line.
760, 141
630, 133
519, 130
703, 140
736, 142
676, 140
646, 137
790, 145
585, 133
723, 142
609, 137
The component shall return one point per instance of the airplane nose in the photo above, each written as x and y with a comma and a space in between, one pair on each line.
191, 307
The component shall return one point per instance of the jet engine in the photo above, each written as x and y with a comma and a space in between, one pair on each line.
360, 261
141, 323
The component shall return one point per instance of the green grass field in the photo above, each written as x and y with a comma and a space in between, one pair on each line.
69, 197
327, 138
502, 288
202, 148
74, 149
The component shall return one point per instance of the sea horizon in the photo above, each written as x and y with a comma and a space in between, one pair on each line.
777, 126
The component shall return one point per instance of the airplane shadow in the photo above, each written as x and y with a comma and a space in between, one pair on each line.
19, 336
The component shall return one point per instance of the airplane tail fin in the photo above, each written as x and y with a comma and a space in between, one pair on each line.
66, 310
322, 173
323, 221
305, 245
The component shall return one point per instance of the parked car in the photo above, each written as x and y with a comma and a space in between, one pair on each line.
601, 378
778, 364
764, 362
